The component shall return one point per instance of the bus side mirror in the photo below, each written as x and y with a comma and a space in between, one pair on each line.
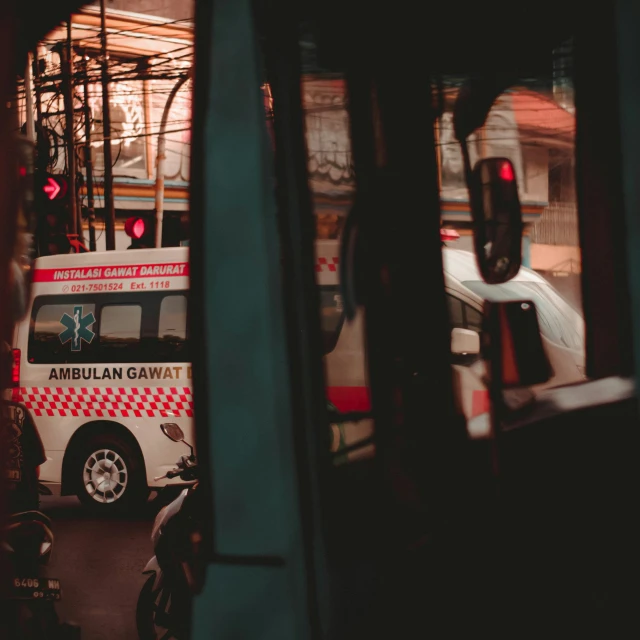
492, 184
497, 219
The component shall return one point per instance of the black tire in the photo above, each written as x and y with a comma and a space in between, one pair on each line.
113, 454
145, 611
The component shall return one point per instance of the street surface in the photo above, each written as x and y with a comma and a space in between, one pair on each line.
99, 563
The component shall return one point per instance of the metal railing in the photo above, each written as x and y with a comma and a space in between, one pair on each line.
558, 225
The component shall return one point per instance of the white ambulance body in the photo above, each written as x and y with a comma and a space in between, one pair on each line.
102, 359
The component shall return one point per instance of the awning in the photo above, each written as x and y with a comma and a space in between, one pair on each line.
131, 35
540, 116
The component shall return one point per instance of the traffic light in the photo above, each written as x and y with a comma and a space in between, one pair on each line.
175, 228
52, 208
142, 231
506, 172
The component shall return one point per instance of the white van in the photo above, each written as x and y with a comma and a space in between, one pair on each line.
102, 359
561, 326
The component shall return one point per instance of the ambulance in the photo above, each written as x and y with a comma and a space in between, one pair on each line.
103, 358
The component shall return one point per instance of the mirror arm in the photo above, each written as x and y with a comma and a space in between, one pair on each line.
474, 102
192, 455
468, 174
468, 171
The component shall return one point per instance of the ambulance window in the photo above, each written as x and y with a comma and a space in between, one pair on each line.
54, 339
331, 316
173, 319
120, 325
559, 322
456, 316
473, 318
172, 326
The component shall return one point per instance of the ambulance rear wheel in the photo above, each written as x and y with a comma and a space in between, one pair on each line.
110, 474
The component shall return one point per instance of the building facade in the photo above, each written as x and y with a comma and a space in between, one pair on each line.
151, 49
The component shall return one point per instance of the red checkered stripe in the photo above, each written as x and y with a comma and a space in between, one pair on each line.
327, 264
109, 402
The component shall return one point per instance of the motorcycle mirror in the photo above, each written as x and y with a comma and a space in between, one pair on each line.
175, 433
172, 431
497, 219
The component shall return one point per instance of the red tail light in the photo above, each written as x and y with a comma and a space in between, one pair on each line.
15, 375
449, 235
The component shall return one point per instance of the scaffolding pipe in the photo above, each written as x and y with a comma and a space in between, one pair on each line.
161, 157
109, 210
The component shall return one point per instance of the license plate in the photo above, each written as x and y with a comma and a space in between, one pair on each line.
36, 589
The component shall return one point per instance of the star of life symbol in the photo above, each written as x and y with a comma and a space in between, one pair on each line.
77, 328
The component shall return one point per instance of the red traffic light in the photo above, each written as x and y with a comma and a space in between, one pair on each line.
506, 172
55, 187
135, 227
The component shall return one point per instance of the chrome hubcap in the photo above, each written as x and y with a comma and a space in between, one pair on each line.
105, 476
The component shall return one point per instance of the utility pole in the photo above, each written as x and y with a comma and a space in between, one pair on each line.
67, 93
161, 157
28, 95
109, 211
42, 153
36, 88
88, 159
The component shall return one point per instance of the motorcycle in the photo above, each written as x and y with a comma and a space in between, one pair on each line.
28, 543
164, 603
28, 608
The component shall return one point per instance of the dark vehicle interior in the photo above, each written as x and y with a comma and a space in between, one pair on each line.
529, 534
